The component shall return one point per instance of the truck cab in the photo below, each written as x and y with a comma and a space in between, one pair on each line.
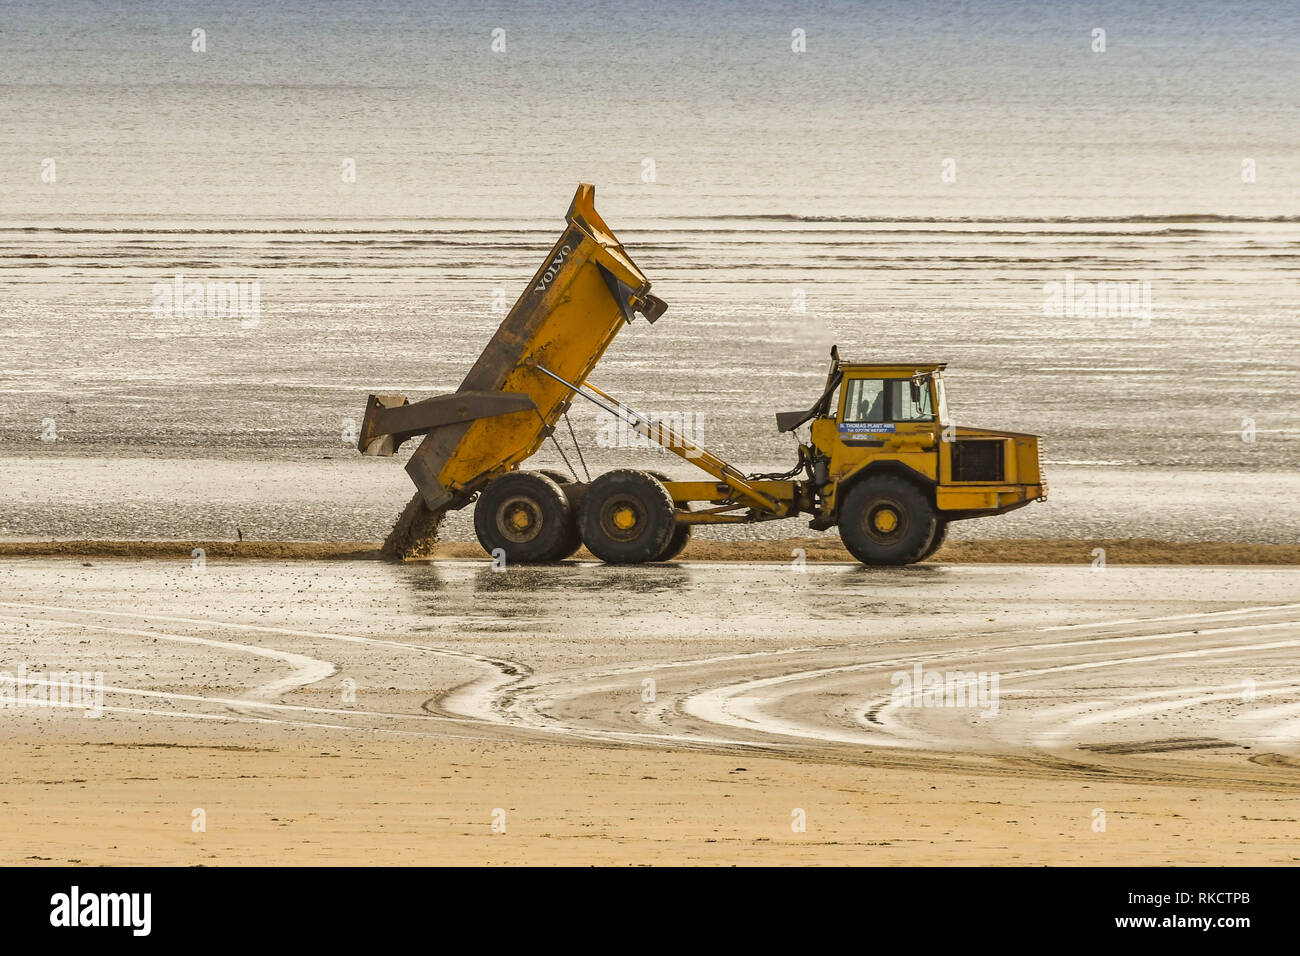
891, 469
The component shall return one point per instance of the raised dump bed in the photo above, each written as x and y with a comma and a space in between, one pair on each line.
585, 291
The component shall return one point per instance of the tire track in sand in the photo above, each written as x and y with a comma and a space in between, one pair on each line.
307, 670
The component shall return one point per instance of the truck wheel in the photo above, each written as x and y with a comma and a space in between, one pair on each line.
940, 536
887, 520
627, 517
681, 535
526, 515
574, 541
677, 542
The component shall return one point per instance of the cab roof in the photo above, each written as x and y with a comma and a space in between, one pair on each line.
903, 369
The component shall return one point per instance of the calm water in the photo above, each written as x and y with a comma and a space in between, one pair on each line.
735, 121
778, 177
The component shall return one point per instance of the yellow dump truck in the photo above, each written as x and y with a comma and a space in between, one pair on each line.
878, 457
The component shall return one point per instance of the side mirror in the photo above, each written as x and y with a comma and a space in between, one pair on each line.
916, 392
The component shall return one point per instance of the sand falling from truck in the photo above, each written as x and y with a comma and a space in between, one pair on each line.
416, 531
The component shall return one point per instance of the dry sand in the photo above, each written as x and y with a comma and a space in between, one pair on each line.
306, 798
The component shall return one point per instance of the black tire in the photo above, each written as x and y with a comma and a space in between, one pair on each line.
574, 542
677, 542
681, 535
940, 536
526, 515
627, 517
887, 520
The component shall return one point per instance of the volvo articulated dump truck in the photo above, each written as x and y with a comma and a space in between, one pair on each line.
877, 455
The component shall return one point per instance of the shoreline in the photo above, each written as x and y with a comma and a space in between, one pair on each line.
1147, 551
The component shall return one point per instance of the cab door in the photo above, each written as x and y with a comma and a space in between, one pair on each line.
886, 419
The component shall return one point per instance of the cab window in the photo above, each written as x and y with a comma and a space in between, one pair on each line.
887, 400
910, 404
865, 400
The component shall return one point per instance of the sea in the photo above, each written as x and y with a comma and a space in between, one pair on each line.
1091, 211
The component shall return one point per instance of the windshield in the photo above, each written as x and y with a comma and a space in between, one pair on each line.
880, 400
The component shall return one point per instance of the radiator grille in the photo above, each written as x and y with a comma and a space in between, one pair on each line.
978, 461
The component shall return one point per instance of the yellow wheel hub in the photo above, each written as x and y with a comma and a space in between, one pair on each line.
520, 519
885, 520
625, 519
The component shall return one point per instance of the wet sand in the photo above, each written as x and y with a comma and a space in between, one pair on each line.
347, 498
1133, 551
1165, 697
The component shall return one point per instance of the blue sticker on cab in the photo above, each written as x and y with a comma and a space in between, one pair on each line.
866, 428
